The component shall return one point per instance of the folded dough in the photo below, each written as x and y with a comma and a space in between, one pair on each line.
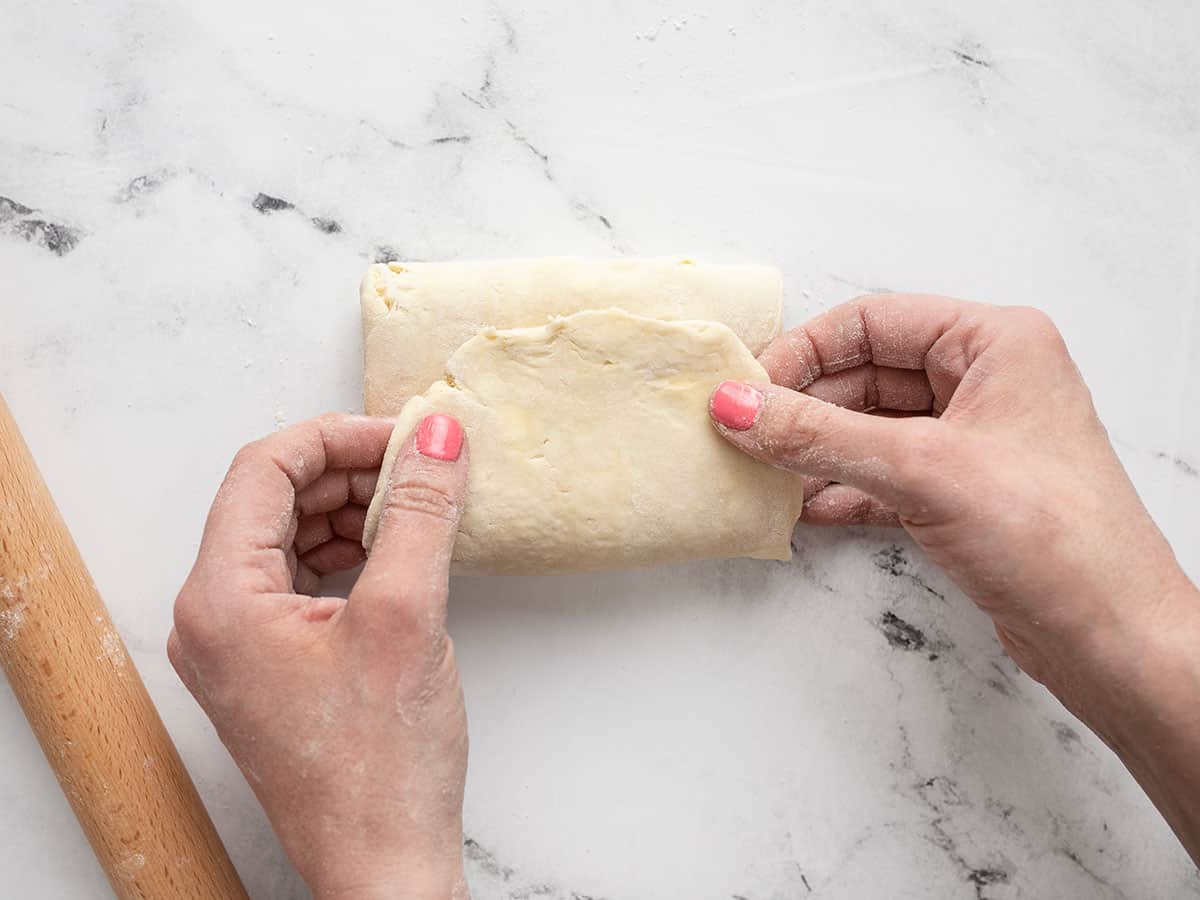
416, 314
591, 448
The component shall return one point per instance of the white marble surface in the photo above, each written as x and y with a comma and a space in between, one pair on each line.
716, 731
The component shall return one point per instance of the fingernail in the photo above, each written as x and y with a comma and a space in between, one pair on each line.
736, 405
440, 436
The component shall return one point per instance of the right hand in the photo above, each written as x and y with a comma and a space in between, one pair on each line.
1007, 480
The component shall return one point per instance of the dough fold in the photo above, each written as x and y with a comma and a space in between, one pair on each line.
416, 314
591, 448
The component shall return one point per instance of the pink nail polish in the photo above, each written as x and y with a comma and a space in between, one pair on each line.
440, 437
736, 405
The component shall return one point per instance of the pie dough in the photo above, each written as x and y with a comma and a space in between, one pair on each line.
416, 314
591, 448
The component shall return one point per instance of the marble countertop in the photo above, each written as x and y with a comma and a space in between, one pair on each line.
193, 190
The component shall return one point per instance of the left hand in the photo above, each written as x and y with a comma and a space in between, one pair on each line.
346, 717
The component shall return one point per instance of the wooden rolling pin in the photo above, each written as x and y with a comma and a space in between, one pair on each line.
88, 706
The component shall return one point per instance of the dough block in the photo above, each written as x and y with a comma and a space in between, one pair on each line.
591, 447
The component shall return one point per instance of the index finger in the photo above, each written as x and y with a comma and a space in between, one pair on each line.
255, 506
900, 331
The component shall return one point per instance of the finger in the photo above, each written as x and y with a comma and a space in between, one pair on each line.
336, 488
348, 522
181, 664
406, 578
791, 430
362, 485
899, 331
254, 505
840, 504
329, 491
306, 581
335, 555
312, 532
875, 387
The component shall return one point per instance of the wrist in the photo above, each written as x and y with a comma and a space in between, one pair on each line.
1136, 669
1144, 708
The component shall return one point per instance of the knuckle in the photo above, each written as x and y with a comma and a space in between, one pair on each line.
409, 612
423, 497
1036, 325
175, 653
248, 455
330, 420
194, 625
185, 666
402, 609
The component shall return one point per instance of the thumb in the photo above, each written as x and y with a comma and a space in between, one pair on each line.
406, 579
883, 457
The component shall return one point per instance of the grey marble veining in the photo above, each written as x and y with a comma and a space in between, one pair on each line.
189, 194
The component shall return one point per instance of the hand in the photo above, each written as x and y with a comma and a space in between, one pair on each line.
1007, 480
971, 427
346, 717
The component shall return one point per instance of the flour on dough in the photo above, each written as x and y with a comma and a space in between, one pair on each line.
591, 448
